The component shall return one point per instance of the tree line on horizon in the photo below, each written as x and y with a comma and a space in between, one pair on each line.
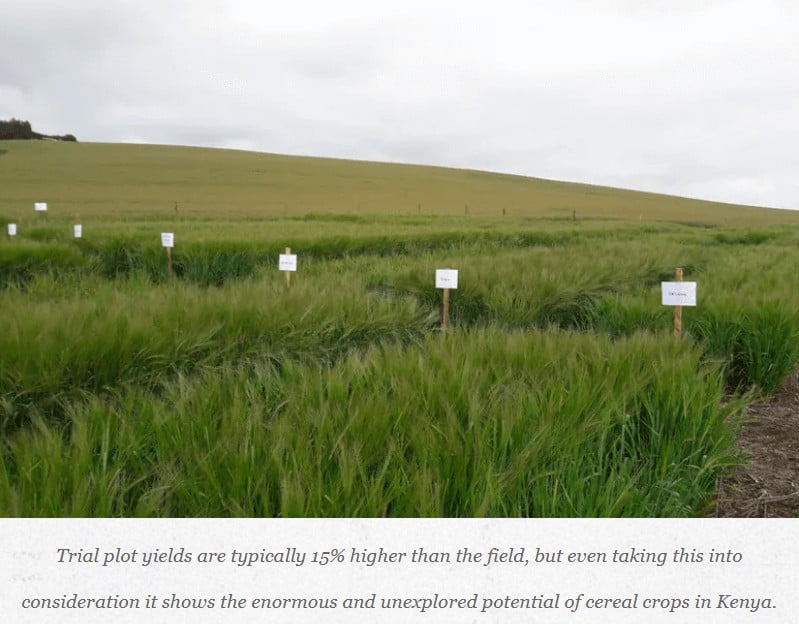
17, 129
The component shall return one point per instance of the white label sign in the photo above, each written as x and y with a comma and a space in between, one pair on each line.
167, 239
447, 278
78, 231
40, 206
12, 229
678, 293
287, 262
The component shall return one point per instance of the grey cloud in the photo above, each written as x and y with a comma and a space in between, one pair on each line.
350, 54
42, 40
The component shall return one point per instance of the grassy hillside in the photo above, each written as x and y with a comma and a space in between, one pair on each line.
146, 180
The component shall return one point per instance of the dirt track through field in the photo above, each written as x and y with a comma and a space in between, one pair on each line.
768, 485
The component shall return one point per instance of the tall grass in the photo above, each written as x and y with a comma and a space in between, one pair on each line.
562, 286
747, 315
21, 261
760, 346
223, 392
479, 423
51, 352
212, 263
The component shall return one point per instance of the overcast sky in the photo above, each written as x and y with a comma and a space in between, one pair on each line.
688, 97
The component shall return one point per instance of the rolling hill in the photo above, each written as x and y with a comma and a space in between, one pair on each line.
96, 179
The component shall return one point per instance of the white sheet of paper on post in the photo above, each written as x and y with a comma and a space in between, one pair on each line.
287, 262
12, 229
78, 231
40, 206
678, 293
167, 239
447, 278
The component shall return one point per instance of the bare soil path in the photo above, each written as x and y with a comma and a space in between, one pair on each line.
768, 485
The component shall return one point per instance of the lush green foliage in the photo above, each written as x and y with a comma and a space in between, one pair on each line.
558, 391
468, 424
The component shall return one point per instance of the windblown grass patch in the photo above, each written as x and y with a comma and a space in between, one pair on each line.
747, 315
22, 261
138, 334
212, 263
760, 345
562, 286
479, 423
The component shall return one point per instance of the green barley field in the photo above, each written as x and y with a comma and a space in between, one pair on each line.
558, 389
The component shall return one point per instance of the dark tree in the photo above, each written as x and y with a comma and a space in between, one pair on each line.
16, 129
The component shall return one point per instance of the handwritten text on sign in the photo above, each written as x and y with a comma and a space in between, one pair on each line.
40, 206
167, 239
447, 278
78, 229
287, 262
678, 293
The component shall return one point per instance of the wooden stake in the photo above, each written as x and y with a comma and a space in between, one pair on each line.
288, 273
445, 310
678, 309
169, 263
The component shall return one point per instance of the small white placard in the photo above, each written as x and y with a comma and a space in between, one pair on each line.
78, 230
167, 239
678, 293
12, 229
447, 278
40, 206
287, 262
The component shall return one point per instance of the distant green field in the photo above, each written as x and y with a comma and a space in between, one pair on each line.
104, 180
558, 390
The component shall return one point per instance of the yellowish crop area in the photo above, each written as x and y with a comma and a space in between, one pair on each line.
130, 181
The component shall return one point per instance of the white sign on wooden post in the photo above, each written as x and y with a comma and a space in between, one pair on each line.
447, 278
40, 206
167, 239
287, 262
78, 230
678, 293
12, 229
